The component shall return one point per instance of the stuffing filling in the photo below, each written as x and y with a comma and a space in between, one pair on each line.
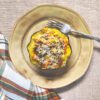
49, 48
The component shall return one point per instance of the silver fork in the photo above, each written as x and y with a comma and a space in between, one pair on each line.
66, 29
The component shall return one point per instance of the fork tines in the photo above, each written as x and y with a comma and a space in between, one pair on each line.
55, 24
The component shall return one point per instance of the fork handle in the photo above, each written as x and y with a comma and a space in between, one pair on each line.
84, 35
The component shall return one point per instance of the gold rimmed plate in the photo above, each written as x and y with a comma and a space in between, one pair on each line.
35, 20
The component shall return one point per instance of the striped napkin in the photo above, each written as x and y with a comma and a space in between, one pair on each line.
13, 86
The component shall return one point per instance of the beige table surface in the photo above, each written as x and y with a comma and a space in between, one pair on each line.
88, 87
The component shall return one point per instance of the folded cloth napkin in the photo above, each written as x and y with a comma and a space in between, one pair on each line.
15, 86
